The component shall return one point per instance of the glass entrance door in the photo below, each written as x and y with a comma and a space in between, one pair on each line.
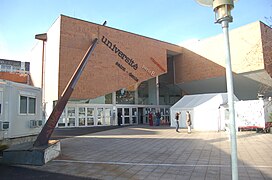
129, 115
104, 116
134, 115
126, 116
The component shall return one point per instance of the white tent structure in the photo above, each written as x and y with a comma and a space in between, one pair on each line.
207, 111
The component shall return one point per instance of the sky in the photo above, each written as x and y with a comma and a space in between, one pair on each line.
173, 21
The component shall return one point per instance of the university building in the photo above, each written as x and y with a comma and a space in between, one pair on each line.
134, 75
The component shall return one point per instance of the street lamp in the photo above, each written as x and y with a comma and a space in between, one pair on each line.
43, 38
222, 9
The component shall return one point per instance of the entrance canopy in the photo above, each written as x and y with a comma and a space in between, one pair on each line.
204, 110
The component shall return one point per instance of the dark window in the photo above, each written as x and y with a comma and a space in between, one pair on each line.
27, 105
32, 105
23, 104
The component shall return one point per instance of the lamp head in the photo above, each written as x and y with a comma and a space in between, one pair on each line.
208, 3
222, 8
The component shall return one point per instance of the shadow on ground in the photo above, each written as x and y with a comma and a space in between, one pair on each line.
22, 173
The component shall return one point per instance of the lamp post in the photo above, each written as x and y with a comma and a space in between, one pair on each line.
43, 38
222, 9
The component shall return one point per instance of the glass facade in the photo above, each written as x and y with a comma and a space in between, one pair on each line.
143, 93
124, 96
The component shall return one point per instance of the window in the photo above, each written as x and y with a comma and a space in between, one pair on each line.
23, 105
27, 105
32, 106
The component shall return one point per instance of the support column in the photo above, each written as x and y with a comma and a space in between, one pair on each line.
114, 114
157, 91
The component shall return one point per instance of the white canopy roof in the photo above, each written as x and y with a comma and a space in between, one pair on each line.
213, 100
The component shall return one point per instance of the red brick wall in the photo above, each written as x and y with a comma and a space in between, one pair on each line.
267, 47
102, 74
15, 77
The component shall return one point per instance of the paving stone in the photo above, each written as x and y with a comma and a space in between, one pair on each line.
143, 152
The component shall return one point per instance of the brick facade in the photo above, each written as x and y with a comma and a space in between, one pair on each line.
267, 47
112, 64
122, 59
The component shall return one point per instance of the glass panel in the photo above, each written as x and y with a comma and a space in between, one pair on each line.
167, 119
134, 120
60, 124
125, 97
126, 120
71, 111
167, 115
99, 116
170, 93
23, 104
108, 98
90, 121
81, 121
81, 111
134, 111
119, 116
143, 93
99, 111
146, 111
32, 106
99, 121
107, 116
126, 113
167, 112
162, 111
90, 111
71, 122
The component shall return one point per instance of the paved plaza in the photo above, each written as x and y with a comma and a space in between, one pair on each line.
143, 152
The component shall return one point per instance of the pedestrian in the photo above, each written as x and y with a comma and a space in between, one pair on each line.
119, 118
150, 118
158, 118
188, 121
177, 121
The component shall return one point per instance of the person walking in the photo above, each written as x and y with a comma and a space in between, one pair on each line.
150, 118
177, 121
158, 118
188, 121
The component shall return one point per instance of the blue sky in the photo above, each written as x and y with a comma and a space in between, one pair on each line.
172, 21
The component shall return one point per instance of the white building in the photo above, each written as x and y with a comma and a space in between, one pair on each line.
20, 112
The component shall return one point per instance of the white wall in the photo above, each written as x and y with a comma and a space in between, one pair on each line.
19, 124
36, 64
52, 65
246, 59
250, 113
206, 120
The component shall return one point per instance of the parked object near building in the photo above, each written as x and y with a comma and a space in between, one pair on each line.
254, 115
207, 111
20, 112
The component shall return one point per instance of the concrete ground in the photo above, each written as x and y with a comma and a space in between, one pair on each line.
143, 152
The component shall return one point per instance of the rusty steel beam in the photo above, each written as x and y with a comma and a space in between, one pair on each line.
50, 124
